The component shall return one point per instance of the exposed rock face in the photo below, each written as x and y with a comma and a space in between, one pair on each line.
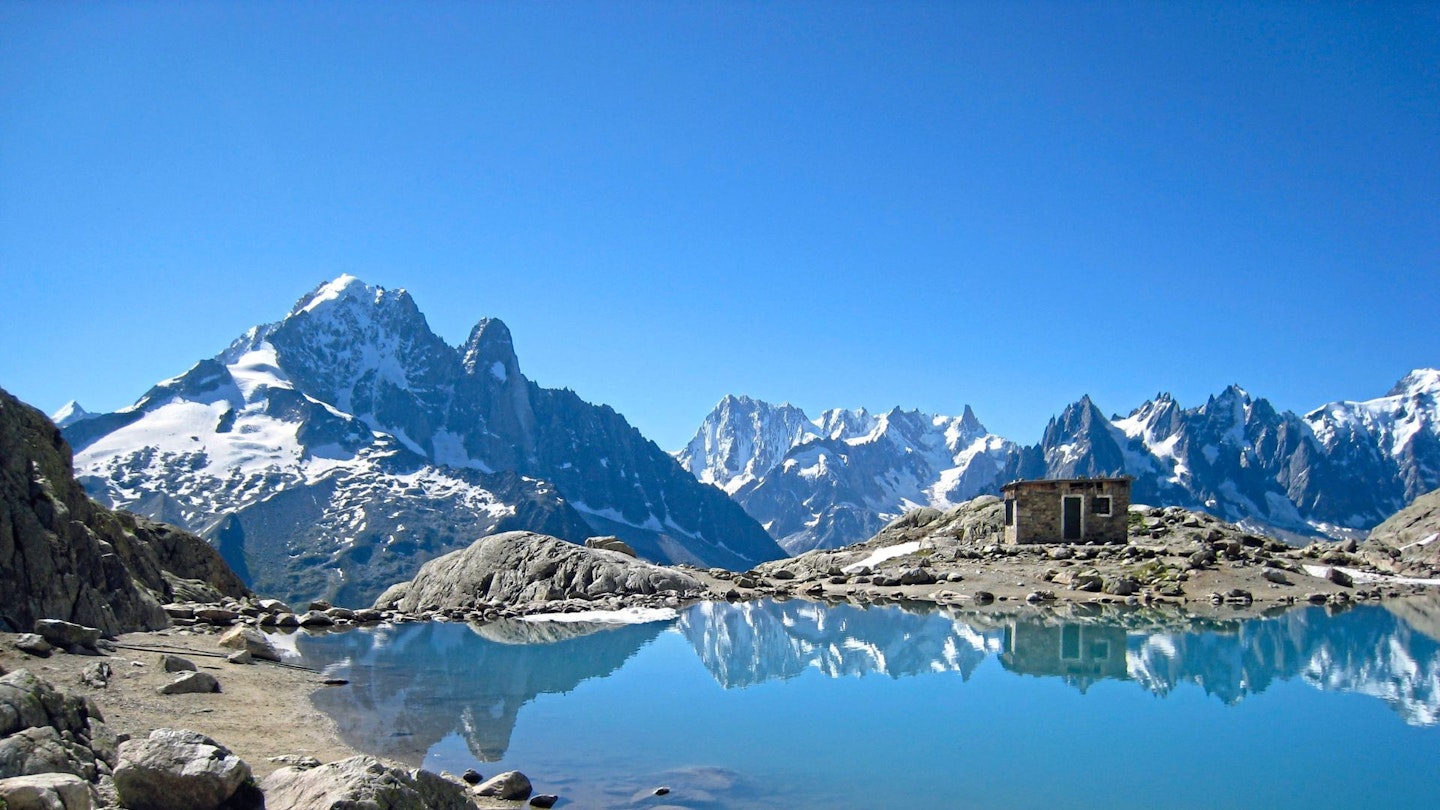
62, 556
331, 453
45, 791
362, 782
45, 731
517, 567
1409, 541
175, 769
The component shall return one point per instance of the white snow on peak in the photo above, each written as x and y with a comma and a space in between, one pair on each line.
1393, 421
69, 414
345, 286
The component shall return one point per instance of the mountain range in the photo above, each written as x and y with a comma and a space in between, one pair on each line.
828, 482
330, 453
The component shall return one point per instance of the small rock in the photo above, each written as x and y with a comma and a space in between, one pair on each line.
97, 675
1340, 578
543, 800
217, 615
661, 791
33, 644
191, 682
472, 777
320, 605
174, 663
510, 785
1275, 575
983, 597
316, 618
240, 657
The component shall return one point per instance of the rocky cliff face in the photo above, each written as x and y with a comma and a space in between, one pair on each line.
1337, 471
1408, 543
62, 556
333, 452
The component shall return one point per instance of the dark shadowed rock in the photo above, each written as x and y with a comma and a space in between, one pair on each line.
519, 567
176, 769
362, 782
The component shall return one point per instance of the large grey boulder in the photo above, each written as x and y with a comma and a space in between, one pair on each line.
250, 640
67, 635
176, 769
45, 791
362, 782
517, 567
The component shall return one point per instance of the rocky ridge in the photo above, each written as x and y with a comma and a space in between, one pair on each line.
1408, 543
834, 481
63, 556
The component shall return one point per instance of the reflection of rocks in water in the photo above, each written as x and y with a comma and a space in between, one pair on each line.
1420, 612
1080, 653
413, 685
752, 642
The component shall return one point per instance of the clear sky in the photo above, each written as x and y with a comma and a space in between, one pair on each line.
836, 204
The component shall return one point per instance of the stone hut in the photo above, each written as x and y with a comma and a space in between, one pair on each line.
1067, 510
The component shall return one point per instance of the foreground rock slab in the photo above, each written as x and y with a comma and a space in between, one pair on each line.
519, 567
362, 782
45, 791
175, 769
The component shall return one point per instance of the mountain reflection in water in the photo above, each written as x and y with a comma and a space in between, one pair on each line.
414, 685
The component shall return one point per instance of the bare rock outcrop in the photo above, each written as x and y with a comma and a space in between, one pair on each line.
521, 567
43, 730
362, 781
1408, 542
63, 556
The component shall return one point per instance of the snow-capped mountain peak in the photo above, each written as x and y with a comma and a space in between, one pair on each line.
69, 414
335, 450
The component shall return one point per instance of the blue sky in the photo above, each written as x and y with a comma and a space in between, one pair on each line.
836, 204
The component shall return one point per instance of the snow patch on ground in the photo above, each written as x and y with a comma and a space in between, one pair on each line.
887, 553
1364, 576
631, 615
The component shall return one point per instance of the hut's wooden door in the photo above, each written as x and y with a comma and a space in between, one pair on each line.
1070, 527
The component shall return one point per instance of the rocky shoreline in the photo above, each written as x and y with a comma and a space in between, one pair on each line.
212, 683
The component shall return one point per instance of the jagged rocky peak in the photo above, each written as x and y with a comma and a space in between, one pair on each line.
490, 349
741, 439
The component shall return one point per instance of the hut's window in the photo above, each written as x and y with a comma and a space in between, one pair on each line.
1100, 505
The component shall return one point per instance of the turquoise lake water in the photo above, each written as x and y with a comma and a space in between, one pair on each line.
794, 704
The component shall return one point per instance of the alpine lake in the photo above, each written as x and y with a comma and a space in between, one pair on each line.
801, 704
